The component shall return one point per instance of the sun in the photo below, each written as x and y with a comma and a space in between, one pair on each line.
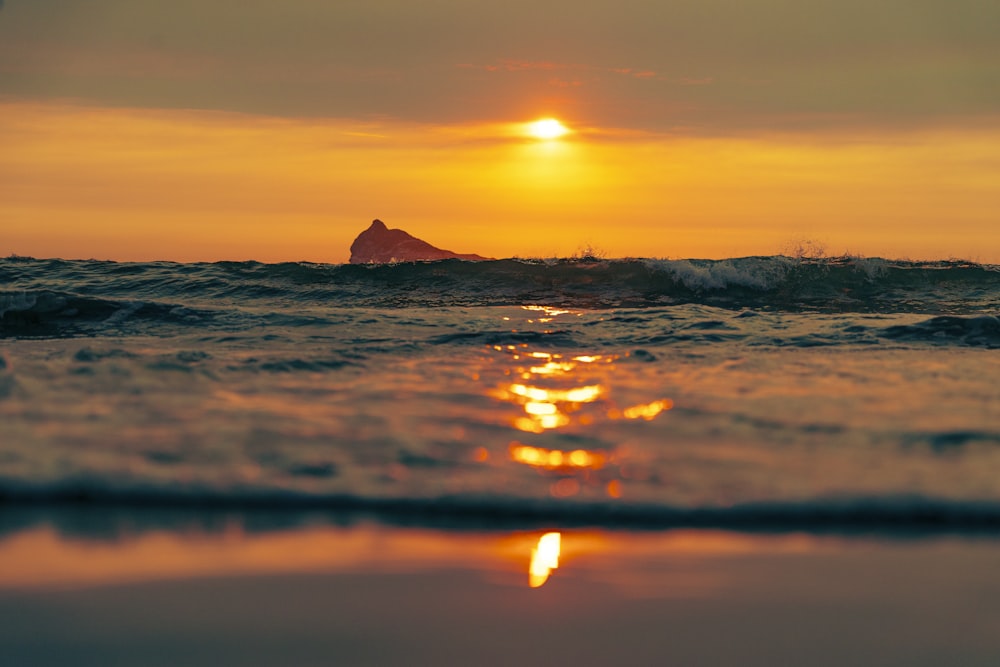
547, 128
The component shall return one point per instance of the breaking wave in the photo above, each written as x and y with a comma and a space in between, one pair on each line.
54, 313
835, 284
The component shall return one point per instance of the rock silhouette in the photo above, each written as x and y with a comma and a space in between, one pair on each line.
380, 245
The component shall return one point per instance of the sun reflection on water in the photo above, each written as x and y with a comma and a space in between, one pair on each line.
554, 459
645, 411
550, 407
550, 313
544, 558
566, 402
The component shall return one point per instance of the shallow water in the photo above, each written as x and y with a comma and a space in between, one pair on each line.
159, 586
757, 391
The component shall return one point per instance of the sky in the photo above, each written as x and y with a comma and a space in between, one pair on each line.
203, 131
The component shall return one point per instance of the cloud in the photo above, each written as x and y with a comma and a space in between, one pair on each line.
722, 66
515, 65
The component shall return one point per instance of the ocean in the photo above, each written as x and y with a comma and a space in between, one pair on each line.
836, 394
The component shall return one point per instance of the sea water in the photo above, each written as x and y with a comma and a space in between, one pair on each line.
764, 390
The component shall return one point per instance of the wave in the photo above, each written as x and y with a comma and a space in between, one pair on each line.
55, 313
779, 283
886, 513
59, 315
57, 298
978, 331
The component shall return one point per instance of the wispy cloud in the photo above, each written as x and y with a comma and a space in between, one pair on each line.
516, 65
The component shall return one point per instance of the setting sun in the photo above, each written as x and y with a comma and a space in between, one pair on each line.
547, 128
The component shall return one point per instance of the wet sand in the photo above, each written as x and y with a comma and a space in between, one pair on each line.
93, 587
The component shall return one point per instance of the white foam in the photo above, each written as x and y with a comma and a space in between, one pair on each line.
16, 302
758, 274
124, 313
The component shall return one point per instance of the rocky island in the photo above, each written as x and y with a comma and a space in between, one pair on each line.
380, 245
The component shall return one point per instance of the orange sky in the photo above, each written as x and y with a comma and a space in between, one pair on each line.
138, 133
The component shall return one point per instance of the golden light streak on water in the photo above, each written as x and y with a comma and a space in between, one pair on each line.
585, 394
556, 458
553, 368
552, 312
540, 409
647, 410
542, 406
534, 393
549, 389
527, 425
544, 558
553, 421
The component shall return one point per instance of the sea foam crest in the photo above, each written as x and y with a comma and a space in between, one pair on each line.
755, 273
16, 301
